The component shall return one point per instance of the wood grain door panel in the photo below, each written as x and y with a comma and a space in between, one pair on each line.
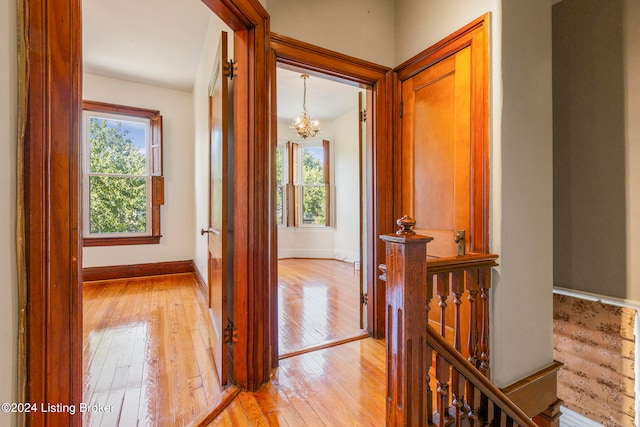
436, 150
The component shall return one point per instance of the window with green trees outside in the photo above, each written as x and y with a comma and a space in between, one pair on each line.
303, 183
122, 189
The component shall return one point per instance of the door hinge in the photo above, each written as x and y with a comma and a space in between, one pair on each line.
364, 298
401, 108
363, 115
231, 69
230, 334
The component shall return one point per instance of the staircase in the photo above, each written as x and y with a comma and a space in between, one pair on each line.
433, 378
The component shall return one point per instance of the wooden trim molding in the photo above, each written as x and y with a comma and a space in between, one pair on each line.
537, 392
326, 344
90, 274
202, 283
254, 259
52, 76
216, 409
120, 241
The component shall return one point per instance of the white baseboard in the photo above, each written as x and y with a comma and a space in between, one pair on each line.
306, 253
347, 256
570, 418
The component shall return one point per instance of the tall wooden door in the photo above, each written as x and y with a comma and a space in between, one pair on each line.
362, 135
436, 151
220, 174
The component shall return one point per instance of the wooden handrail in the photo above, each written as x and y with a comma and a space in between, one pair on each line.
454, 263
475, 377
459, 263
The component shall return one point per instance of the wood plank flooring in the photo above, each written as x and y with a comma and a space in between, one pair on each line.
146, 351
318, 301
337, 386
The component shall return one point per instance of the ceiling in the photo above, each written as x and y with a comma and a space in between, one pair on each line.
159, 42
153, 41
326, 99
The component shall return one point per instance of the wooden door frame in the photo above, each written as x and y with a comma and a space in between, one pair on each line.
378, 165
50, 328
476, 36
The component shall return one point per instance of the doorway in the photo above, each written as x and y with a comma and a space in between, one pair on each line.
51, 328
319, 210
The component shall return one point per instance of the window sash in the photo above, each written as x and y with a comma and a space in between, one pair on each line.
147, 204
296, 185
154, 182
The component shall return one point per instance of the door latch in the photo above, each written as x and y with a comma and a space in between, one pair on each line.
460, 240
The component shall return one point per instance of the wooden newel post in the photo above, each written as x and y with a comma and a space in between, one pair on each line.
408, 403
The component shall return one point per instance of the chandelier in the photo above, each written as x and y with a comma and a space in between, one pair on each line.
305, 125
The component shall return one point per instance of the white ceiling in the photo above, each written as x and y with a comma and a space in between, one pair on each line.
326, 99
152, 41
159, 42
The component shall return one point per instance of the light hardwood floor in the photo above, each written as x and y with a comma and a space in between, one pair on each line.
338, 386
146, 351
318, 301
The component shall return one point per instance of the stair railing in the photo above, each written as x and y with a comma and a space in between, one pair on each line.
410, 345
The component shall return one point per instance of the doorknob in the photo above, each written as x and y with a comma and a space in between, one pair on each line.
209, 230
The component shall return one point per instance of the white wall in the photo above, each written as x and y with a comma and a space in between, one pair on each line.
522, 223
521, 187
200, 174
177, 225
360, 28
8, 137
631, 66
347, 188
421, 23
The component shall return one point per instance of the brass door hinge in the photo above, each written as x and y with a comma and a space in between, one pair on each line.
231, 69
230, 334
364, 298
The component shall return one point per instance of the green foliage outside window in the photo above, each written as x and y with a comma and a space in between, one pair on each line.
117, 181
313, 191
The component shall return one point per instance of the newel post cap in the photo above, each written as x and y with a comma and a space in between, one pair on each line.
406, 234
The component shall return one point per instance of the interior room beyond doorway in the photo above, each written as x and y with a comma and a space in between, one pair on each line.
319, 228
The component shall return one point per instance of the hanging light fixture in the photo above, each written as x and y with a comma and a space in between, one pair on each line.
305, 125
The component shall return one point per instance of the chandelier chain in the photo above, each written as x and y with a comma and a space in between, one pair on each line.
305, 126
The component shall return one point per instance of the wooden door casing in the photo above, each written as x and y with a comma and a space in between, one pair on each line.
444, 176
51, 281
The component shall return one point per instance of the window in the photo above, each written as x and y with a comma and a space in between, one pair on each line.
123, 187
282, 178
303, 182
